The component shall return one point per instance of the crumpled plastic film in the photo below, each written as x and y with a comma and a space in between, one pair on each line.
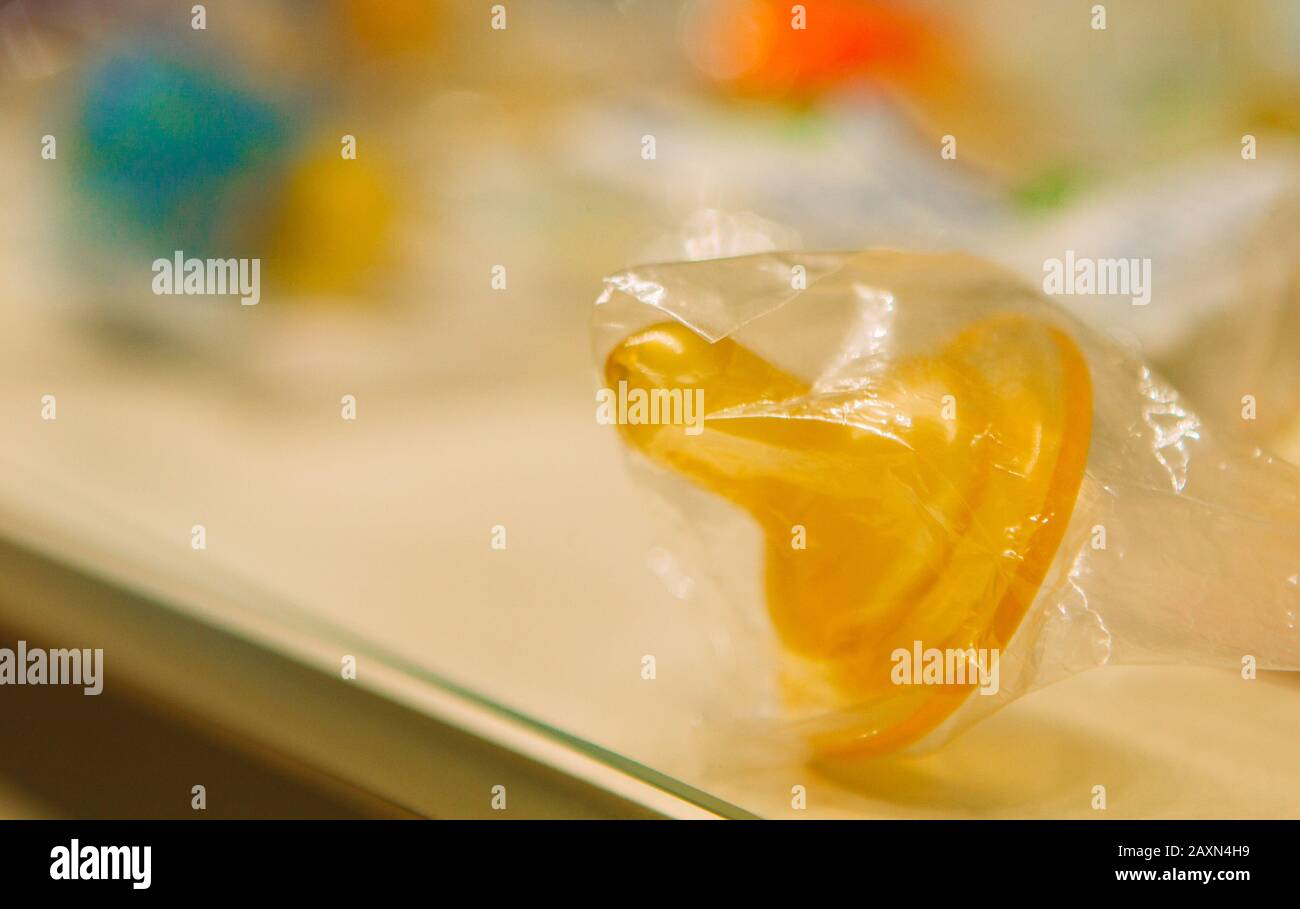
922, 490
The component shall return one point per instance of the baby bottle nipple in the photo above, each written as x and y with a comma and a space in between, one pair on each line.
958, 491
931, 496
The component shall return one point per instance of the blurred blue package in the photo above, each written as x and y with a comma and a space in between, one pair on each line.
162, 150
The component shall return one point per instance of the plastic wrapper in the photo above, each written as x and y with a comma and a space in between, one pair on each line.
1223, 240
917, 489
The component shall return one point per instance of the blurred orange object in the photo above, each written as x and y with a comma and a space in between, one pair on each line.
769, 48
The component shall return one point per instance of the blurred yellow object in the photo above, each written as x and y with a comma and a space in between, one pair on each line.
393, 26
334, 226
933, 498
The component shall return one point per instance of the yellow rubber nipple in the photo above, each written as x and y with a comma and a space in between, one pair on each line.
932, 496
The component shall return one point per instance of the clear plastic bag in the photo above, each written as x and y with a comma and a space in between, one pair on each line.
885, 457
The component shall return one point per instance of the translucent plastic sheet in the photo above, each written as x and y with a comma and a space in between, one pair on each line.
1224, 242
919, 490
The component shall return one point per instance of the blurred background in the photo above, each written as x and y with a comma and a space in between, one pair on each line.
507, 156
